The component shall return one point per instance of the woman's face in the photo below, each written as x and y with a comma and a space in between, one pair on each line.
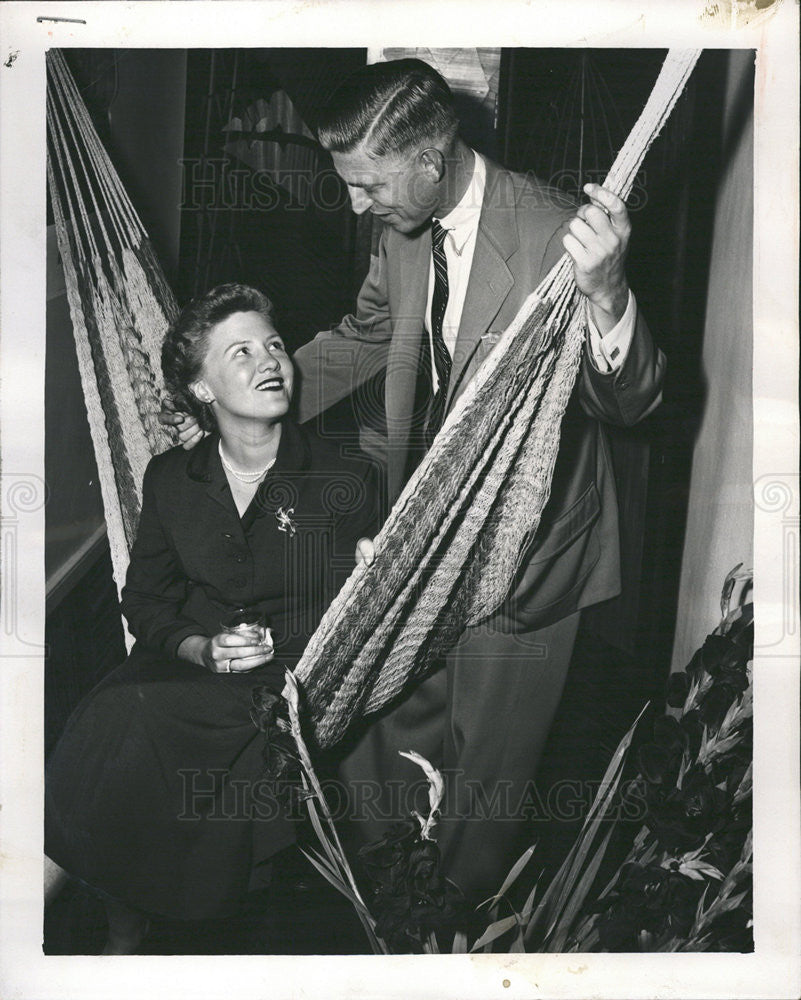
246, 372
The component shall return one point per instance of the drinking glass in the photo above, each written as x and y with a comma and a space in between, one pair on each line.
249, 622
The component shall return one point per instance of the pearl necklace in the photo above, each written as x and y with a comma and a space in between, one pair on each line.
244, 477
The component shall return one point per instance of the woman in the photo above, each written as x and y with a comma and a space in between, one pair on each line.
153, 794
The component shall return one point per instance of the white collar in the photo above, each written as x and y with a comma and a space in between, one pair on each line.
462, 220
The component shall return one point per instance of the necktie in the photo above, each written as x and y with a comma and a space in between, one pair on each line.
442, 357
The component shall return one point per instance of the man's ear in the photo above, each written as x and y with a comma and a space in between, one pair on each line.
433, 162
201, 391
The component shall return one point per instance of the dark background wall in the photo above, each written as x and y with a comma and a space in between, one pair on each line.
146, 122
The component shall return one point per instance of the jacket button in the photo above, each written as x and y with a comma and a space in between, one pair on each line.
240, 558
227, 534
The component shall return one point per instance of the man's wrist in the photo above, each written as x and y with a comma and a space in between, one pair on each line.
608, 310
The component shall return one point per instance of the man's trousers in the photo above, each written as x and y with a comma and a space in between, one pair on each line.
482, 718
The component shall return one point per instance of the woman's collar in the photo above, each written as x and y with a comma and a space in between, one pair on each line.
294, 454
294, 451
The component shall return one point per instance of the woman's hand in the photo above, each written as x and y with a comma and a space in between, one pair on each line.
189, 432
365, 552
228, 652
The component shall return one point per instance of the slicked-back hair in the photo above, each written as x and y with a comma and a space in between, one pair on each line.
391, 107
187, 341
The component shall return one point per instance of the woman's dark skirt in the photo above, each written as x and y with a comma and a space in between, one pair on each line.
154, 793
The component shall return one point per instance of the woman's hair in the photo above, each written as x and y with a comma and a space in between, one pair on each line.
187, 341
391, 106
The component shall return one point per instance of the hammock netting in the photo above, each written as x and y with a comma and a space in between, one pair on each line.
448, 553
120, 306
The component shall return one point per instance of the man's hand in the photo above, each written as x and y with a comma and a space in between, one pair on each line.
365, 552
189, 432
597, 242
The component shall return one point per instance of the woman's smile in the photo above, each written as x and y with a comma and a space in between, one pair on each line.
272, 383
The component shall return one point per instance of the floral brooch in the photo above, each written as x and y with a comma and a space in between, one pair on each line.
285, 522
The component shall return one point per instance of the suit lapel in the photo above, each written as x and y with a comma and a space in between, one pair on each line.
490, 278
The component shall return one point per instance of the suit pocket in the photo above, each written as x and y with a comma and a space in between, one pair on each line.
554, 567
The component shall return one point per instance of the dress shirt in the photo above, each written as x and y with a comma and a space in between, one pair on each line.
461, 225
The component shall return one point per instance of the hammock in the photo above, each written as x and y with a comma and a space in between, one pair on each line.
449, 550
120, 305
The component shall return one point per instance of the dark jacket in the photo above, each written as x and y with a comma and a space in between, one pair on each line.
194, 560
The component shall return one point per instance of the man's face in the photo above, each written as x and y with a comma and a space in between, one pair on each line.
397, 188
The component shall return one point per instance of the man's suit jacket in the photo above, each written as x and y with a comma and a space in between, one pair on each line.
574, 559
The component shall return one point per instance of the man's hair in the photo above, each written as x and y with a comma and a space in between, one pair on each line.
392, 107
187, 340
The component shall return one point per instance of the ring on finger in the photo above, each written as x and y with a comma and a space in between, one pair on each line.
225, 666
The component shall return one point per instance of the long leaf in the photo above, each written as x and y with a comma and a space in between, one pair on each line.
577, 898
553, 887
494, 931
332, 877
514, 872
598, 810
325, 843
459, 943
518, 943
585, 932
541, 911
591, 940
528, 906
615, 765
700, 908
376, 943
565, 878
310, 852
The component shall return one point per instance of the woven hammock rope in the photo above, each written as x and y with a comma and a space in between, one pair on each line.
119, 301
449, 549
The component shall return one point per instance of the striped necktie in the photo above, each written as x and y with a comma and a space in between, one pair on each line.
442, 357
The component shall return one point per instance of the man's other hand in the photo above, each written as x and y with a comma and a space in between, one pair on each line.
598, 241
365, 552
189, 432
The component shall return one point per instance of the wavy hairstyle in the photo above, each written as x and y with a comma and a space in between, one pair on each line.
391, 107
187, 340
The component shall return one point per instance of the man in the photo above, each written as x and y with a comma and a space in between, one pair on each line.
463, 245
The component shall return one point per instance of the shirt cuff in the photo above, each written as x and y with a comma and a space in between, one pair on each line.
609, 352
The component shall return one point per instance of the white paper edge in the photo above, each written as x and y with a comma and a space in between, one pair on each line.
773, 971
